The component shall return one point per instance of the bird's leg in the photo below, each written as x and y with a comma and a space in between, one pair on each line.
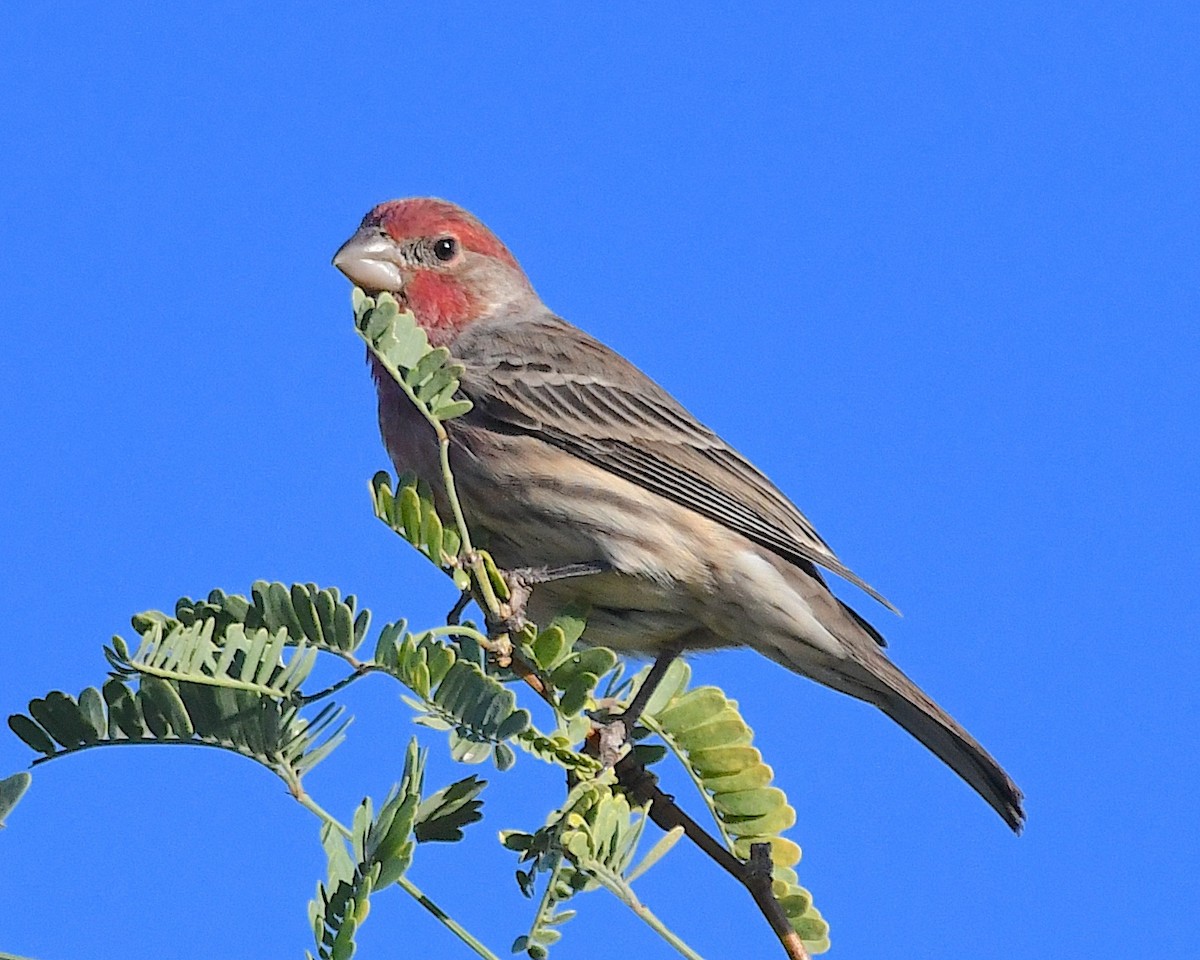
511, 614
614, 732
522, 580
658, 670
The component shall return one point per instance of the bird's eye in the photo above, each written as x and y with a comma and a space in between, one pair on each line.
445, 248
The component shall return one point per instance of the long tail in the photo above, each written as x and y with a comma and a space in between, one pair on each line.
907, 704
868, 674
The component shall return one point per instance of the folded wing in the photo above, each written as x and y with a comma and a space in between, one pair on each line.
544, 377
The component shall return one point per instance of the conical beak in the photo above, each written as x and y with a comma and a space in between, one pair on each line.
368, 260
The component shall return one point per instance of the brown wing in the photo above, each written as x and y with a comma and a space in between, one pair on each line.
544, 377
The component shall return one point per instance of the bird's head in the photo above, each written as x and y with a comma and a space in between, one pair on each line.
439, 261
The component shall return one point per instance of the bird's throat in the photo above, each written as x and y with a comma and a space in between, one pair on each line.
442, 305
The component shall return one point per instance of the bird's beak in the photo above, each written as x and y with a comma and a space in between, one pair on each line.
368, 260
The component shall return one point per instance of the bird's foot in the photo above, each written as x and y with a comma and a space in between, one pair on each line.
521, 581
615, 731
612, 740
612, 732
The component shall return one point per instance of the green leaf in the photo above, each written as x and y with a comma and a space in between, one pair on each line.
156, 720
692, 709
673, 682
575, 697
345, 636
411, 343
727, 730
750, 778
504, 757
326, 608
811, 929
410, 515
124, 709
773, 822
572, 623
11, 790
429, 364
443, 815
456, 408
442, 379
495, 577
431, 534
750, 803
594, 662
796, 904
361, 622
440, 659
516, 840
513, 725
91, 709
721, 761
468, 751
548, 646
33, 736
306, 614
59, 716
419, 679
656, 853
168, 702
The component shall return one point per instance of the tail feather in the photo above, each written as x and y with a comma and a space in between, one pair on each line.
907, 704
866, 672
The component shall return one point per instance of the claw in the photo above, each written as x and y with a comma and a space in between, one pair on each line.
522, 580
613, 732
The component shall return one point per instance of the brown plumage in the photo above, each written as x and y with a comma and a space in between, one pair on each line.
572, 455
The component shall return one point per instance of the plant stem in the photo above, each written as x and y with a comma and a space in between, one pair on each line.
209, 680
478, 572
654, 727
625, 894
458, 630
311, 805
404, 883
450, 923
360, 671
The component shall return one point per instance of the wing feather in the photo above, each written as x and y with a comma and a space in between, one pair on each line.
544, 377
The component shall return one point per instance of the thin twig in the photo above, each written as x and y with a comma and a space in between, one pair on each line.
306, 801
456, 611
643, 788
458, 930
360, 671
625, 894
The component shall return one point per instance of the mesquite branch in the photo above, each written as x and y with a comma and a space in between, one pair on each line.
755, 875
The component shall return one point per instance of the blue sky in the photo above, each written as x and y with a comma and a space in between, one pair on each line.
935, 270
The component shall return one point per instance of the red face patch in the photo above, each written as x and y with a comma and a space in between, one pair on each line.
430, 217
442, 305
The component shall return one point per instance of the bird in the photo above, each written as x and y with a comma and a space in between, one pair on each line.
571, 458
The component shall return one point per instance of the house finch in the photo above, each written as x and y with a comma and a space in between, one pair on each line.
572, 456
